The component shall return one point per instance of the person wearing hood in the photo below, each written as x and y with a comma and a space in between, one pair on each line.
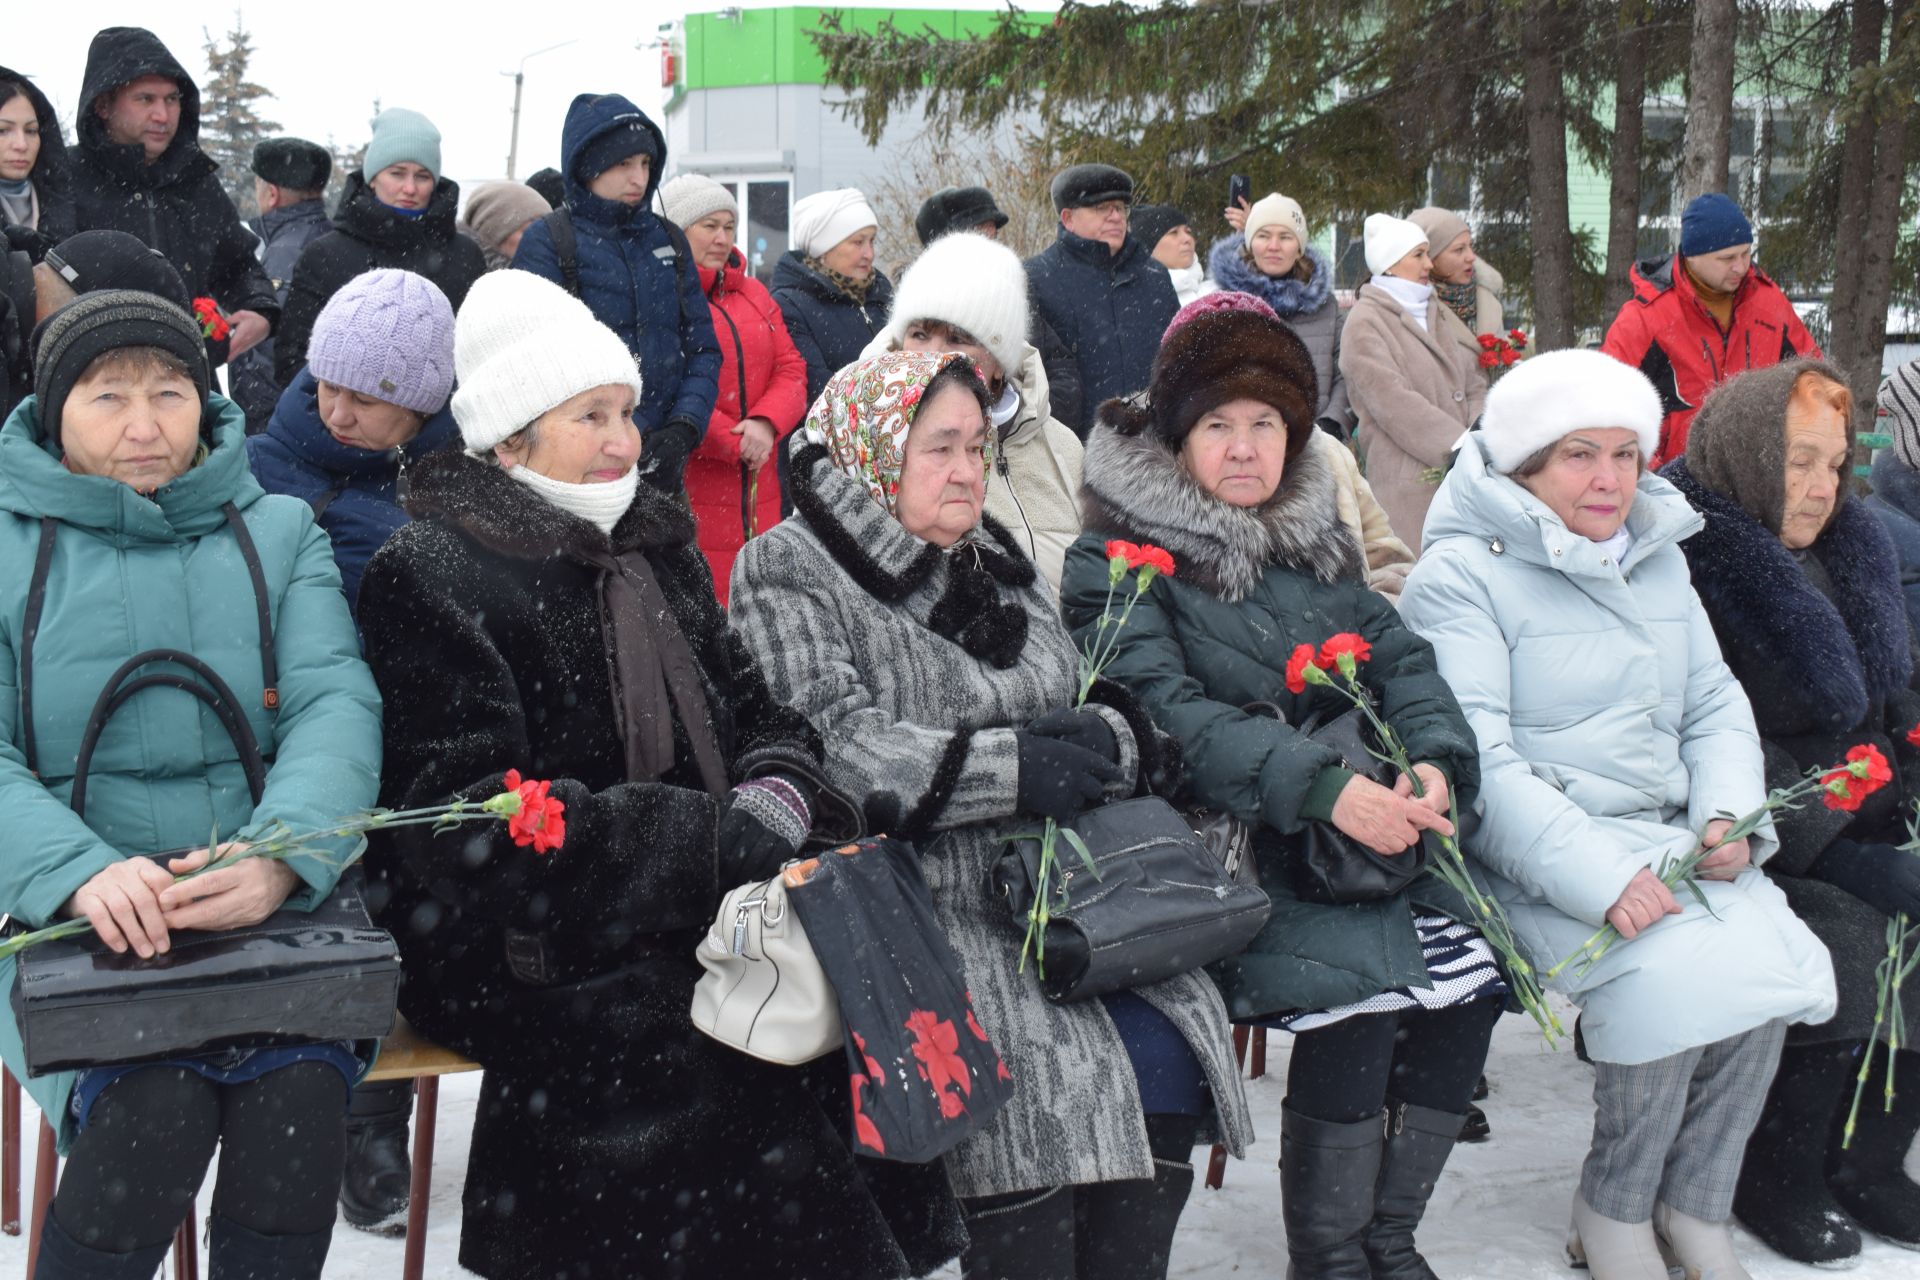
36, 193
967, 293
396, 211
1413, 390
551, 186
635, 271
1464, 281
124, 468
1896, 478
1613, 738
289, 180
832, 295
545, 611
138, 168
1099, 288
1167, 233
734, 490
497, 215
1268, 256
1802, 585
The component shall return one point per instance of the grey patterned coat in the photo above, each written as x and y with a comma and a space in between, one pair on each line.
916, 666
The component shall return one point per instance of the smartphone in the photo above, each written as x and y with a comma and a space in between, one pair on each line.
1239, 188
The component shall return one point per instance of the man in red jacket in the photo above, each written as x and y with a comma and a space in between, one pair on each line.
1700, 317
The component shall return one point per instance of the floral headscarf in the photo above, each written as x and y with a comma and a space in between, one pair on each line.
867, 409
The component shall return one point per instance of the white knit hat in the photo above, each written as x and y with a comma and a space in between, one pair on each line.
825, 218
692, 196
522, 345
1540, 400
969, 282
1272, 208
1390, 239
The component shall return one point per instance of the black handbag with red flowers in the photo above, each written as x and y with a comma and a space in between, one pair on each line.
924, 1075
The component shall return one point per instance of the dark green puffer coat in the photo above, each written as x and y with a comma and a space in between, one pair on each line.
1249, 585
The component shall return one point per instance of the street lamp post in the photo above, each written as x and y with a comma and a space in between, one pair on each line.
519, 79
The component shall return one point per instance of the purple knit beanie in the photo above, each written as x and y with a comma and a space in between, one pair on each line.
1215, 303
387, 334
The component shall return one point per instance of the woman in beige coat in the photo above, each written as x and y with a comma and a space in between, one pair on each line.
1414, 389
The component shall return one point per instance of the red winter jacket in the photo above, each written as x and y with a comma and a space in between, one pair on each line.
1665, 332
760, 368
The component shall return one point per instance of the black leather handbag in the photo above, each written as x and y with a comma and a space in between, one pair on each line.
1162, 904
1328, 865
297, 977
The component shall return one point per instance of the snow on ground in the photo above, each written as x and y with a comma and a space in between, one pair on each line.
1500, 1212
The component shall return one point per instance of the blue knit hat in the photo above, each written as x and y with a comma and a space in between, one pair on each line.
1711, 223
400, 134
388, 334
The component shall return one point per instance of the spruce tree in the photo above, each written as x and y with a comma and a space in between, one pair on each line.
230, 121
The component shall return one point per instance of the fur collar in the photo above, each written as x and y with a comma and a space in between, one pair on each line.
483, 502
1289, 298
890, 564
1132, 486
1841, 658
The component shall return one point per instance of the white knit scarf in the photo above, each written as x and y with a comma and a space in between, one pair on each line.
1413, 298
600, 504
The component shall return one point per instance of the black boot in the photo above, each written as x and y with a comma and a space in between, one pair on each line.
1869, 1177
64, 1258
1418, 1142
374, 1187
1782, 1194
1125, 1229
236, 1253
1327, 1176
1024, 1236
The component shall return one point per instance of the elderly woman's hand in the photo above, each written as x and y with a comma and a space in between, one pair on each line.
228, 897
1387, 822
1729, 858
1433, 783
123, 905
1645, 900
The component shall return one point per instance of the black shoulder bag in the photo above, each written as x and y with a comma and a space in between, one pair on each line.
297, 977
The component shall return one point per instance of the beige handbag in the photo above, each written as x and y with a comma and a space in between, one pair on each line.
763, 991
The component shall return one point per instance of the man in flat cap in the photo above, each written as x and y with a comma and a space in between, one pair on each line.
289, 178
1100, 290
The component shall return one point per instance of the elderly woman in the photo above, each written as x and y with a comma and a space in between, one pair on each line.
1466, 283
833, 297
131, 480
1268, 256
917, 637
967, 293
1413, 389
1612, 738
1803, 587
546, 613
1393, 1003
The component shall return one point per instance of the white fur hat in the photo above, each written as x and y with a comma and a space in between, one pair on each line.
1390, 239
1543, 398
969, 282
825, 218
522, 345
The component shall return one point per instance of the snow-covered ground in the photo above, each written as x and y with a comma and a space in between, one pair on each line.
1499, 1214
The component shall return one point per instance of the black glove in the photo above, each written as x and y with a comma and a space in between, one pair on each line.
763, 825
1084, 729
668, 450
1059, 780
28, 240
1885, 878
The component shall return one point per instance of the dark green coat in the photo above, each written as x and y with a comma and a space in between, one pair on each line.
1249, 585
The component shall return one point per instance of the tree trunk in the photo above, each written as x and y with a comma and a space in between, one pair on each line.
1544, 102
1705, 151
1893, 138
1866, 25
1629, 118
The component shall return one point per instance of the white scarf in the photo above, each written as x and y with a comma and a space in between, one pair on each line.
1413, 298
1007, 406
1617, 546
600, 505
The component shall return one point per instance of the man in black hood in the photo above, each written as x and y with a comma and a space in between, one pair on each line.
138, 168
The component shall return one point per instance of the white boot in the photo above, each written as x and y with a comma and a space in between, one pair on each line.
1703, 1248
1613, 1250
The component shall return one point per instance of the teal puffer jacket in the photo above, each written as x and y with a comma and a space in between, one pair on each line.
131, 573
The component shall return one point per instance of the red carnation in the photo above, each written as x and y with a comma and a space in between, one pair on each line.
541, 819
1117, 550
1158, 557
1346, 642
1487, 341
1488, 359
1837, 792
1868, 767
1303, 657
1509, 357
1913, 736
1518, 337
213, 325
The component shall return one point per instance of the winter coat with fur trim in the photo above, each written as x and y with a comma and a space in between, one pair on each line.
1308, 307
1109, 309
1823, 675
1414, 391
614, 1138
1249, 585
1896, 500
1611, 733
917, 666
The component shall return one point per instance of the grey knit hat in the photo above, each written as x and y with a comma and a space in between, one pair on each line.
692, 196
1899, 412
93, 324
